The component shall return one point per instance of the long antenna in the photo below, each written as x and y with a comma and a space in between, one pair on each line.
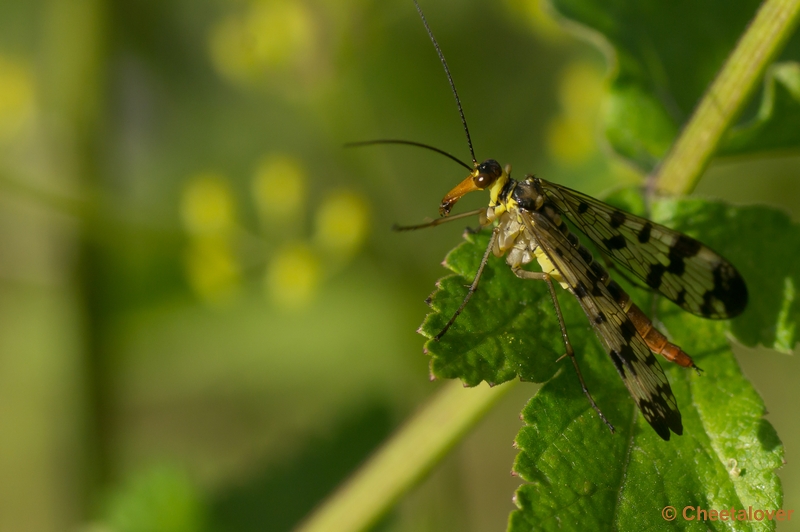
409, 143
450, 79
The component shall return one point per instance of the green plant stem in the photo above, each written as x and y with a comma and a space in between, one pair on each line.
75, 44
727, 95
405, 458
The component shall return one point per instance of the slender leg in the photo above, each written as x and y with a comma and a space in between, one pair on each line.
437, 221
541, 276
473, 287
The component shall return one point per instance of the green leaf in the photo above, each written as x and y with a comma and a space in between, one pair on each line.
728, 453
661, 73
508, 329
725, 459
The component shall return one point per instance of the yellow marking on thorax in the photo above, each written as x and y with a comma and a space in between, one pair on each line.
541, 257
497, 187
496, 208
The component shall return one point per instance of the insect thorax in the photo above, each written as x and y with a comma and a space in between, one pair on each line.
514, 239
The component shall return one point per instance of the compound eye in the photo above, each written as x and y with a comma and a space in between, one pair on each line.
488, 172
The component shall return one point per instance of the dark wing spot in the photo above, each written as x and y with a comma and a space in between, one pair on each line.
600, 273
627, 330
681, 299
583, 207
666, 409
685, 247
585, 254
615, 242
657, 407
600, 318
616, 291
730, 289
596, 290
617, 219
676, 265
580, 290
707, 307
657, 423
616, 358
644, 233
661, 421
627, 354
573, 238
654, 277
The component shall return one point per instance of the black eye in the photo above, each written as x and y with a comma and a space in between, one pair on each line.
488, 172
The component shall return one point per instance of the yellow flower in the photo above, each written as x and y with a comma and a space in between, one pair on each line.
341, 224
208, 205
269, 36
279, 187
571, 134
293, 276
213, 271
580, 89
17, 97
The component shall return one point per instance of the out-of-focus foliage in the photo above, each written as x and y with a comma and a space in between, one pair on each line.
666, 56
772, 128
17, 97
199, 290
160, 499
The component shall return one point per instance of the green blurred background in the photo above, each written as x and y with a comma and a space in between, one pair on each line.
205, 321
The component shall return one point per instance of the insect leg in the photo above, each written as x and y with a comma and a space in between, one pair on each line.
437, 221
473, 287
541, 276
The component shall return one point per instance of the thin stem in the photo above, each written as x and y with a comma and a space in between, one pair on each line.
405, 458
727, 95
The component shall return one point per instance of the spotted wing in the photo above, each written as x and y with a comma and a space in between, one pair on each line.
637, 366
684, 270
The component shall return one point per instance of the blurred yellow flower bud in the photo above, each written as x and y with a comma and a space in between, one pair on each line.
270, 35
571, 134
293, 276
279, 187
208, 205
213, 270
341, 223
17, 97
